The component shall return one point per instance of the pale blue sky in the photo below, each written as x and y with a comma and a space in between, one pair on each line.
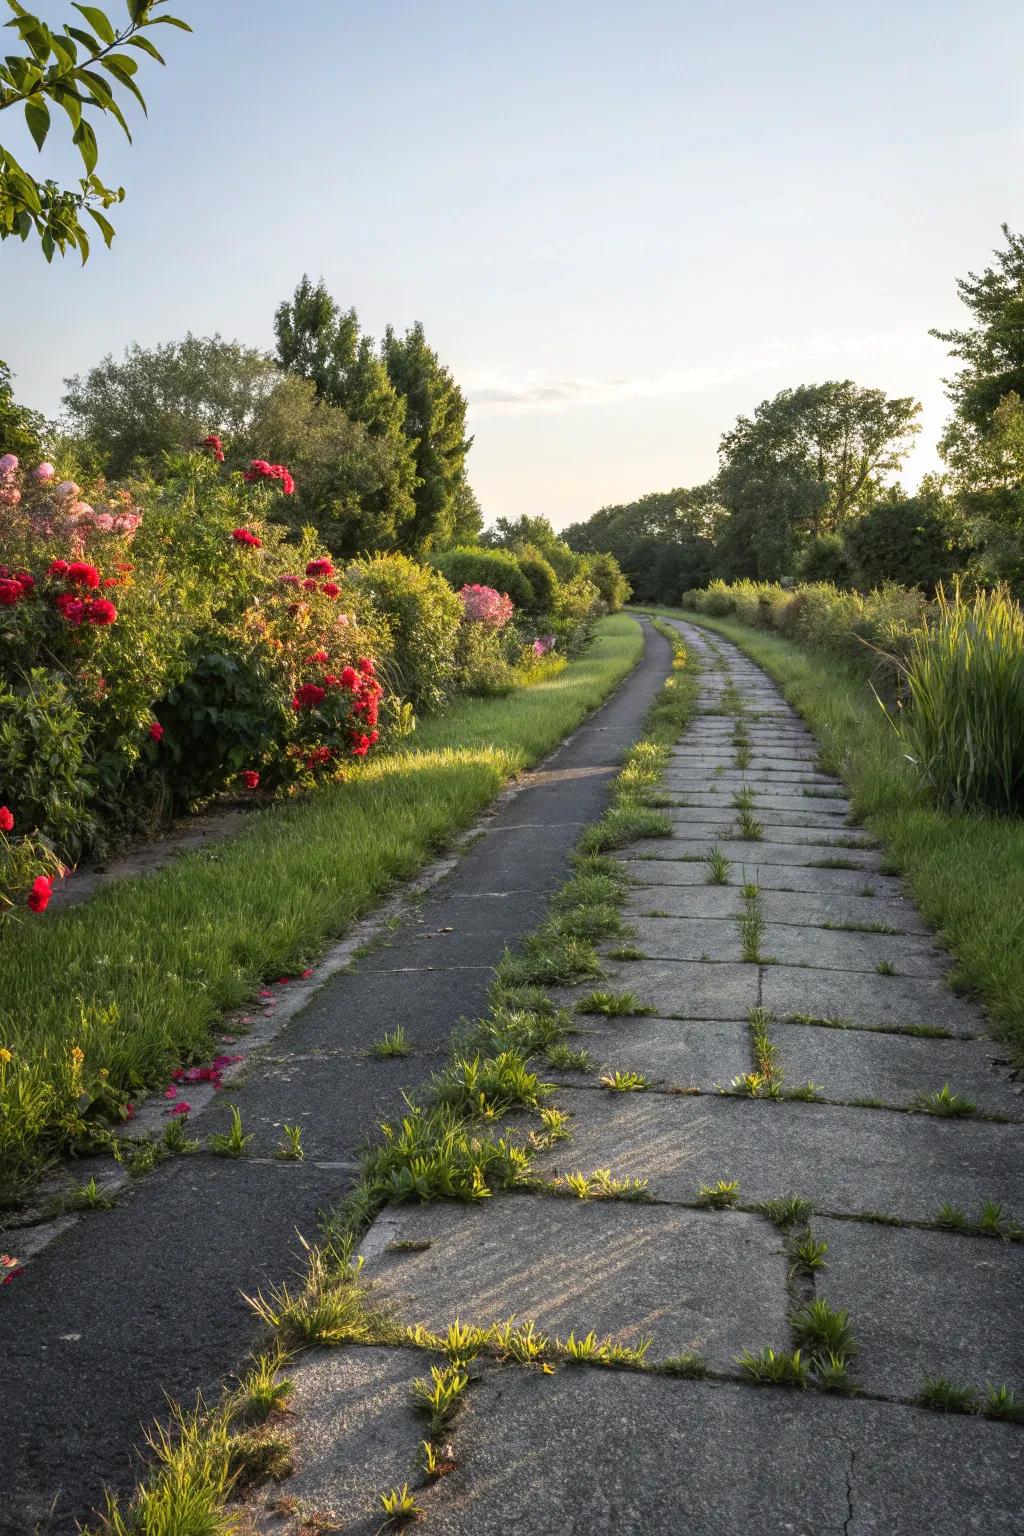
621, 224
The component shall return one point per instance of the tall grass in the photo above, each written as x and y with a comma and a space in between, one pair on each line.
102, 1001
964, 725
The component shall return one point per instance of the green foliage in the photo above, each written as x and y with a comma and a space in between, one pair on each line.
663, 543
423, 616
965, 680
604, 571
826, 558
535, 534
63, 69
912, 540
486, 568
435, 424
21, 430
540, 574
44, 759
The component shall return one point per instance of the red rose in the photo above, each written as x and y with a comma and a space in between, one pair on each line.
26, 580
71, 608
319, 568
309, 585
156, 730
250, 778
101, 611
349, 677
83, 575
38, 898
6, 820
329, 589
317, 659
243, 536
366, 666
10, 591
58, 568
308, 696
111, 581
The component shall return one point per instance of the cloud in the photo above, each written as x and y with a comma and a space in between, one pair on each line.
502, 394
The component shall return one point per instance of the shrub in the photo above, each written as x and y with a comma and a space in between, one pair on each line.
484, 667
606, 574
827, 559
904, 539
577, 606
486, 568
540, 573
422, 616
964, 729
483, 605
44, 767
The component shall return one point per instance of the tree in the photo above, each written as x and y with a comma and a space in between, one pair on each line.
664, 542
164, 399
435, 423
21, 430
912, 540
63, 69
535, 533
992, 350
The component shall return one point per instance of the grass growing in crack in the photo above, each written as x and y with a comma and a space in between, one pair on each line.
751, 925
777, 1368
440, 1394
823, 1330
786, 1211
232, 1143
554, 1127
487, 1086
687, 1366
718, 867
567, 1058
861, 928
807, 1253
626, 952
1002, 1403
624, 1082
719, 1196
765, 1080
549, 959
176, 1139
941, 1101
590, 1350
522, 1342
612, 1005
289, 1149
88, 1197
255, 1458
885, 968
950, 1218
262, 1391
743, 799
189, 1483
599, 1185
748, 828
330, 1308
434, 1154
391, 1043
622, 825
400, 1508
946, 1396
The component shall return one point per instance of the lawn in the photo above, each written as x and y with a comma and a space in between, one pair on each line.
966, 872
119, 990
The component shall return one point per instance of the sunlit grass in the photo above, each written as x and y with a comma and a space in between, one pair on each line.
136, 977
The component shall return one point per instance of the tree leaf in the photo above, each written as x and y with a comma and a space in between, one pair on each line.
37, 116
86, 141
169, 21
147, 47
106, 228
68, 99
86, 40
98, 20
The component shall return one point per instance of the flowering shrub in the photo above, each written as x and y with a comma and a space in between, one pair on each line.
483, 605
171, 672
543, 645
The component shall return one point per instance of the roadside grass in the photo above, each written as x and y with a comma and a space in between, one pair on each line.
966, 872
100, 1002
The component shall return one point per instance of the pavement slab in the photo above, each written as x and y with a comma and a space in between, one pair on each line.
891, 1001
927, 1304
846, 1160
591, 1453
685, 1280
681, 1053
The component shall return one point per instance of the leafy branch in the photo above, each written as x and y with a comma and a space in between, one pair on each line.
63, 69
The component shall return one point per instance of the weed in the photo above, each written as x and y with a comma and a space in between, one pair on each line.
626, 952
751, 925
434, 1464
624, 1082
1002, 1403
807, 1093
140, 1157
391, 1043
234, 1143
743, 799
566, 1058
718, 867
718, 1196
831, 1372
410, 1245
549, 960
781, 1368
289, 1149
600, 1185
749, 829
691, 1367
176, 1139
861, 928
612, 1005
787, 1211
824, 1330
992, 1219
440, 1395
88, 1197
330, 1308
832, 864
400, 1508
885, 968
522, 1343
624, 824
945, 1396
488, 1086
950, 1218
590, 1350
262, 1390
254, 1459
942, 1102
555, 1127
808, 1254
434, 1154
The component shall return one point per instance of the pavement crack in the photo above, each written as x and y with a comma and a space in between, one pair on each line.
849, 1495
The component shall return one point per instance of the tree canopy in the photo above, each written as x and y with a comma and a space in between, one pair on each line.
435, 423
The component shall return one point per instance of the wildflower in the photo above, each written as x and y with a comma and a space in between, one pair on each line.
289, 581
68, 488
243, 536
317, 659
250, 778
71, 608
111, 581
38, 898
486, 606
6, 1056
156, 730
10, 1267
8, 464
6, 819
309, 585
349, 677
319, 568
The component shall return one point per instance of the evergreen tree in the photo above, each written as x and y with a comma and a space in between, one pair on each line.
435, 423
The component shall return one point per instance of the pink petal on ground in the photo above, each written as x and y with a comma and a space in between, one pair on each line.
178, 1074
306, 975
181, 1108
264, 992
171, 1092
282, 981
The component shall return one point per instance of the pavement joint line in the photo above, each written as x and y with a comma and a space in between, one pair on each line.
656, 1089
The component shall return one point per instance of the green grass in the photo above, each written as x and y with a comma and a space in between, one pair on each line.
966, 872
136, 977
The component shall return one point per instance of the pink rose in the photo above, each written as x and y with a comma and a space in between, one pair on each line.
68, 488
104, 522
8, 464
44, 471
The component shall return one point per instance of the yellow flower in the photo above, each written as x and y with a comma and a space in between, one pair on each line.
77, 1056
5, 1055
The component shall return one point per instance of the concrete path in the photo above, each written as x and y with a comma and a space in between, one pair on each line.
131, 1306
834, 968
